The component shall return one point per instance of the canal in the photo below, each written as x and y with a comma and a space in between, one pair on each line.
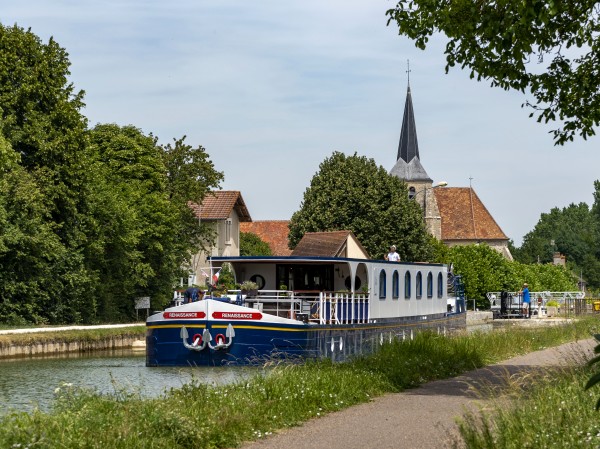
27, 383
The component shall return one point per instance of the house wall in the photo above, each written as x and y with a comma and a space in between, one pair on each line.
354, 250
220, 246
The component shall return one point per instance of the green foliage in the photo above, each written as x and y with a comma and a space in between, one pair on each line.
353, 193
484, 269
89, 220
573, 231
252, 245
497, 41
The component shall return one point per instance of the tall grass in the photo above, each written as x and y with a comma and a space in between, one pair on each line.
201, 416
556, 412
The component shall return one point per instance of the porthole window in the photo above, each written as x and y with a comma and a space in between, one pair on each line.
258, 280
419, 285
440, 285
430, 285
407, 285
395, 285
382, 281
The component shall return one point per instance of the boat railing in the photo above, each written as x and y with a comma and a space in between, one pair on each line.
308, 305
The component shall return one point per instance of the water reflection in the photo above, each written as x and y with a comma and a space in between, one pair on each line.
27, 383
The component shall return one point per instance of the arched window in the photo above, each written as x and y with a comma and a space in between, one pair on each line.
407, 285
382, 282
430, 285
419, 285
440, 285
411, 192
395, 285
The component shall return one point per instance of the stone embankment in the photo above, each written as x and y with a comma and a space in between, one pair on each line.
55, 346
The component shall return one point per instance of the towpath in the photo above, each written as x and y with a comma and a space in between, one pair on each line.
423, 418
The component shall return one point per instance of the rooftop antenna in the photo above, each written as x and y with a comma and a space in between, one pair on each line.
408, 70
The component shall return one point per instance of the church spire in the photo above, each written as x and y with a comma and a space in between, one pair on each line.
408, 148
408, 164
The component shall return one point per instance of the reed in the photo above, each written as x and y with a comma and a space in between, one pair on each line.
202, 416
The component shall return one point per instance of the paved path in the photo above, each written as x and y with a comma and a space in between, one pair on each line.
423, 418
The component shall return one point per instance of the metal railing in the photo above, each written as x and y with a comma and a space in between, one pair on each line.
569, 303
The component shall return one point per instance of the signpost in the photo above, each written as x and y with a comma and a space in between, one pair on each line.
142, 303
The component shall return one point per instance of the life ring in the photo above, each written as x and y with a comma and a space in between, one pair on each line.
197, 337
220, 338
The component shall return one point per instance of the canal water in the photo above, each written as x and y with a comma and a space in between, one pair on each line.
29, 383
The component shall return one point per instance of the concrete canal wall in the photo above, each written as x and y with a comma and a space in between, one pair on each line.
50, 347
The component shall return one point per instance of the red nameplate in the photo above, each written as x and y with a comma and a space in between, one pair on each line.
237, 315
183, 315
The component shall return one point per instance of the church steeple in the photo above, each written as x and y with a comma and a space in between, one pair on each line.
408, 164
408, 148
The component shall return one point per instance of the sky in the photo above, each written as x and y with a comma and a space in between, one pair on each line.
272, 88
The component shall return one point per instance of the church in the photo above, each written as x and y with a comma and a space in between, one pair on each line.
454, 215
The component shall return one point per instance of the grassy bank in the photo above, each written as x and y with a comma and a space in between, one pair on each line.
200, 416
69, 336
556, 412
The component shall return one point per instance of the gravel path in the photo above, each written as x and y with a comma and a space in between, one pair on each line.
421, 418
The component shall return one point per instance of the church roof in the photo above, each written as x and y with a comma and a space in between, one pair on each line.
408, 165
273, 232
413, 171
217, 205
408, 148
464, 216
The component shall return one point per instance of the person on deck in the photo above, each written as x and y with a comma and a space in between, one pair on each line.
392, 256
526, 300
190, 295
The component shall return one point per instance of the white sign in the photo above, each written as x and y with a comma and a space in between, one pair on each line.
142, 303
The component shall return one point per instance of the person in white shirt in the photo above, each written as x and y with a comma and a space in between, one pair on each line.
392, 256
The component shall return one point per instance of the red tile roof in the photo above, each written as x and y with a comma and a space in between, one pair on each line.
274, 232
464, 216
324, 244
218, 205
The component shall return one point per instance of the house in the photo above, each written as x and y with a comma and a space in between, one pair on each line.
273, 232
223, 211
330, 244
454, 215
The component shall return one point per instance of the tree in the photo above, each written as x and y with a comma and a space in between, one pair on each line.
572, 231
498, 41
483, 270
41, 120
252, 245
353, 193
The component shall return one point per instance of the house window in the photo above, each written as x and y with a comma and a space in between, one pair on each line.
419, 285
440, 285
228, 232
407, 285
382, 281
430, 285
395, 285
